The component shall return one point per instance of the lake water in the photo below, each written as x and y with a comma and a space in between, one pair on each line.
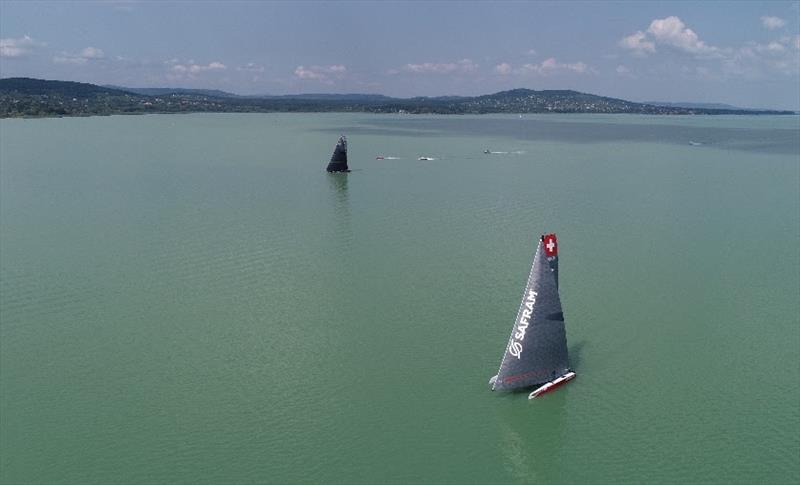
191, 298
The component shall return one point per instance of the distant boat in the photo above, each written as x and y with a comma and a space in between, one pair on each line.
536, 355
695, 143
426, 158
380, 157
338, 161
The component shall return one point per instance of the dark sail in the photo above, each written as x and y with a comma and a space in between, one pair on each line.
339, 158
537, 349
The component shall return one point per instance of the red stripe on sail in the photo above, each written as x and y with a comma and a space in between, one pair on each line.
525, 375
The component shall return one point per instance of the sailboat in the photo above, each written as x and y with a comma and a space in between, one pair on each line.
338, 161
536, 355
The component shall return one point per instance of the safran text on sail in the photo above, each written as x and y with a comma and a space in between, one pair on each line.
515, 348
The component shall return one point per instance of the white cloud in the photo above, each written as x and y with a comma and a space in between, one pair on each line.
772, 23
578, 67
624, 71
754, 61
775, 47
92, 53
551, 65
462, 66
18, 48
638, 44
304, 73
324, 74
503, 69
671, 31
214, 66
751, 61
191, 69
82, 58
251, 67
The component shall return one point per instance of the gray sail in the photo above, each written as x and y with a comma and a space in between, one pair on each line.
537, 349
338, 161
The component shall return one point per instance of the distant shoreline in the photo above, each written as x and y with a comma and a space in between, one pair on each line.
158, 113
38, 98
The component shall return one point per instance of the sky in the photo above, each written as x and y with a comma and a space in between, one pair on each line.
741, 53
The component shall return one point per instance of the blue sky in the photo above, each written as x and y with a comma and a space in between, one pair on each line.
742, 53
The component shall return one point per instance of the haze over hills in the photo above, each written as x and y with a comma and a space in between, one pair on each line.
224, 94
687, 104
167, 91
26, 97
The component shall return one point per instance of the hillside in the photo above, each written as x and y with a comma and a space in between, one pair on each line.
167, 91
26, 97
34, 87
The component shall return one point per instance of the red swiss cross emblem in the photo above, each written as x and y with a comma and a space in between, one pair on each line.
550, 245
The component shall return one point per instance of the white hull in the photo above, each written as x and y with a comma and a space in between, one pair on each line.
552, 385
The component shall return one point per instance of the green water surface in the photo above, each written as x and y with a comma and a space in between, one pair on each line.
192, 299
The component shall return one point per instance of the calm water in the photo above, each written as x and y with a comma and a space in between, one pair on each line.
193, 299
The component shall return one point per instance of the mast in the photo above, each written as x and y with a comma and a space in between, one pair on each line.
537, 348
338, 161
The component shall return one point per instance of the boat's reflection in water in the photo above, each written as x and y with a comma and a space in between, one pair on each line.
532, 436
533, 432
340, 204
338, 184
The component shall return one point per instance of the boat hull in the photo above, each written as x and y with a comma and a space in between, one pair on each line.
554, 384
337, 167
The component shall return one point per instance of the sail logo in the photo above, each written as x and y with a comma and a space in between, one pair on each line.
515, 347
550, 245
